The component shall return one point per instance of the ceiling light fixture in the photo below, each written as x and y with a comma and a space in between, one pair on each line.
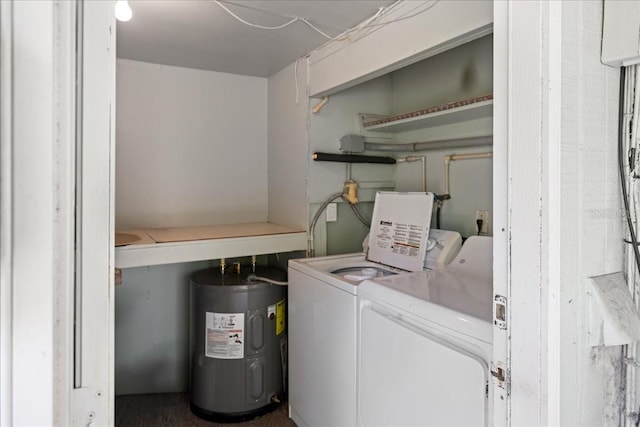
123, 11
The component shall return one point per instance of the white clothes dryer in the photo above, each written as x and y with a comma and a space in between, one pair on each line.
424, 344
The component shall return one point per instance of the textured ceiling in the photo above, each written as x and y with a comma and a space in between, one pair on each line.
200, 34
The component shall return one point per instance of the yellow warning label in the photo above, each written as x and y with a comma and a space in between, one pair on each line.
280, 317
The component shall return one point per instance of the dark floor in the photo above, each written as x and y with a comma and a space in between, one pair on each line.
172, 409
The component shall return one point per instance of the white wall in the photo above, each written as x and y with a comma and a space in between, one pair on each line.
339, 117
470, 186
152, 329
461, 73
288, 146
421, 32
191, 147
591, 222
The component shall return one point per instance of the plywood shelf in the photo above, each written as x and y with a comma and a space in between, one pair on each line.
186, 244
452, 112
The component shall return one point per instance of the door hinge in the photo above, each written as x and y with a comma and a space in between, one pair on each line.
500, 311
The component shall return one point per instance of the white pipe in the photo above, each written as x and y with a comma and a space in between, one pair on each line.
488, 154
316, 109
475, 141
451, 157
410, 159
424, 173
447, 161
253, 277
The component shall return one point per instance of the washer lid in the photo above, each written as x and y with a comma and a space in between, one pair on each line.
399, 229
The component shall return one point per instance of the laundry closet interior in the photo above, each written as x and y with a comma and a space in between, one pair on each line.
213, 165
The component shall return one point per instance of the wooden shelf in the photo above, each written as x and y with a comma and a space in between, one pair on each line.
186, 244
438, 115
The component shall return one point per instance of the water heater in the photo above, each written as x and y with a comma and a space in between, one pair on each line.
238, 344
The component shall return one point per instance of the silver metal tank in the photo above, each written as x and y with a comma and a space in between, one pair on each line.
238, 343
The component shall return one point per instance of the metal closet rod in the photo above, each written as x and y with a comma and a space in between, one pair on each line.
475, 141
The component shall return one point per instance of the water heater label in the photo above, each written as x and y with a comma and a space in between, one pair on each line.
280, 317
224, 335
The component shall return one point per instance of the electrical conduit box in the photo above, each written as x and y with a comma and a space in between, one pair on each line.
620, 33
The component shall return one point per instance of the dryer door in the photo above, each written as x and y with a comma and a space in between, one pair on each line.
410, 375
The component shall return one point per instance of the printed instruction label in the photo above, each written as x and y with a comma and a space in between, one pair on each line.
400, 239
224, 335
280, 317
399, 229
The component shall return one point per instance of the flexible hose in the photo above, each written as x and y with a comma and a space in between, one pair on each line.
310, 249
253, 278
362, 219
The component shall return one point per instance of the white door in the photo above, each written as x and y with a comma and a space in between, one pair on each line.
57, 71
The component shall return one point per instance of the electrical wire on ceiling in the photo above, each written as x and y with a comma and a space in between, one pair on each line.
262, 27
359, 31
291, 20
410, 14
370, 25
367, 24
245, 5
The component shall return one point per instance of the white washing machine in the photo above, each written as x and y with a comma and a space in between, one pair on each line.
424, 344
323, 309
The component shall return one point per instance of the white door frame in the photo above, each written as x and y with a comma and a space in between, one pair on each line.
37, 221
36, 123
93, 396
527, 118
